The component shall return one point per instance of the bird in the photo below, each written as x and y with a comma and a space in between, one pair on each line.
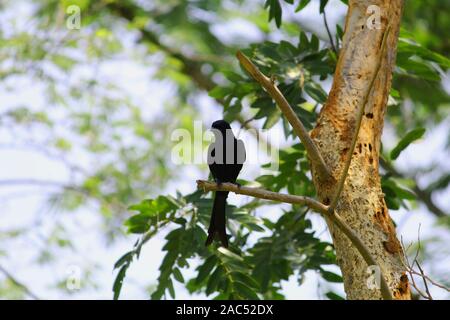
226, 156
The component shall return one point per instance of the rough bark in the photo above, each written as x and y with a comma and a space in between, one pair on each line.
362, 204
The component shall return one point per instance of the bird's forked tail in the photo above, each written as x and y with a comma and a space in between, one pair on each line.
218, 222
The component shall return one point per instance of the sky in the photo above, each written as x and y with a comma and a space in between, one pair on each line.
29, 208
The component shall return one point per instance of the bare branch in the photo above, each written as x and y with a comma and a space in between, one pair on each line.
433, 282
263, 194
19, 284
359, 115
286, 109
422, 194
424, 280
412, 272
329, 33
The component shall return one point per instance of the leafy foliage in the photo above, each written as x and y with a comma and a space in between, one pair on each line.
233, 273
406, 140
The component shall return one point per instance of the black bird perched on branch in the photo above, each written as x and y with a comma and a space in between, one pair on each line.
225, 159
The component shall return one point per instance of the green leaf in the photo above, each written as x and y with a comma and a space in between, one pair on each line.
171, 289
404, 143
408, 46
439, 184
117, 286
331, 276
63, 61
142, 207
334, 296
275, 12
126, 258
301, 5
392, 203
314, 43
157, 294
178, 275
323, 3
206, 269
214, 280
229, 254
316, 92
244, 291
219, 92
242, 277
137, 224
63, 144
272, 119
391, 188
339, 32
303, 43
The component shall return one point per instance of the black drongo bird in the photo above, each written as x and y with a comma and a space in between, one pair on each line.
225, 159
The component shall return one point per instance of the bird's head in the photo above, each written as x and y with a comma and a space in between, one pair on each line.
220, 125
221, 128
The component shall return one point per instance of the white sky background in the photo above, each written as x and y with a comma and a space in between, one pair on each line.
91, 250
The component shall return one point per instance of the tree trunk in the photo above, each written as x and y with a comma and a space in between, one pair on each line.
362, 204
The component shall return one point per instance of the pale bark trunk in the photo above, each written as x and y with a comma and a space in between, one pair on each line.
362, 204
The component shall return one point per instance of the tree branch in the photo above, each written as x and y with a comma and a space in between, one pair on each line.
329, 33
427, 290
359, 115
18, 283
422, 194
311, 148
263, 194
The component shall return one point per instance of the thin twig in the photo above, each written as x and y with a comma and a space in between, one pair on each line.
424, 280
407, 265
329, 33
359, 115
410, 269
299, 129
412, 272
433, 282
18, 283
246, 122
422, 194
